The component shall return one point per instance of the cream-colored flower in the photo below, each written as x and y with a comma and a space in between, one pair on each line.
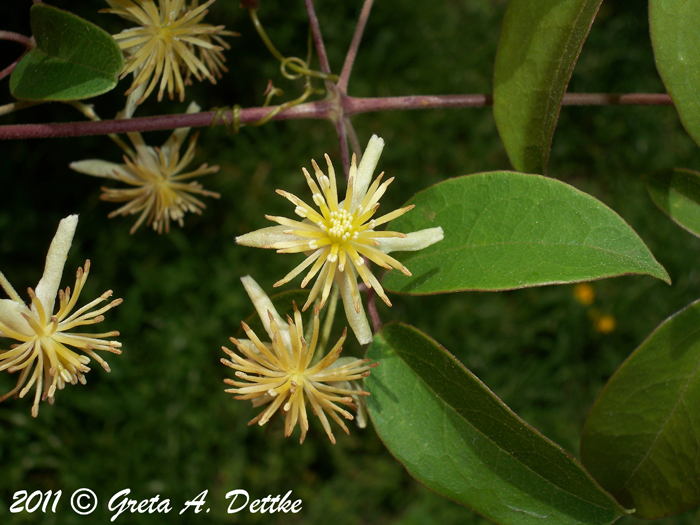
43, 336
166, 44
341, 235
158, 190
281, 373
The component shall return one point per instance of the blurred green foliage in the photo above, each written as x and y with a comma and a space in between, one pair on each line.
160, 423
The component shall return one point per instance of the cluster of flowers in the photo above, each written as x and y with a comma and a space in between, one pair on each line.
339, 239
163, 47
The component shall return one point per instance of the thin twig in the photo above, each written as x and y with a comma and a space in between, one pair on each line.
354, 141
89, 111
354, 45
331, 87
372, 311
322, 109
9, 69
318, 37
343, 141
613, 99
310, 110
26, 41
353, 105
18, 104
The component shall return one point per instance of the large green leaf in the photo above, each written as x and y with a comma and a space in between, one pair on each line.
74, 59
456, 437
677, 192
506, 230
641, 440
538, 48
676, 39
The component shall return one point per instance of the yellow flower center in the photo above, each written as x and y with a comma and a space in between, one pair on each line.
341, 227
165, 33
298, 379
56, 352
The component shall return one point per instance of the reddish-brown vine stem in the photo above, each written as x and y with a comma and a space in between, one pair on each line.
323, 109
372, 311
354, 46
26, 41
318, 37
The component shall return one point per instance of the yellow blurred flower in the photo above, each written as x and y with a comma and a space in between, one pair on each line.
166, 44
339, 236
281, 373
603, 323
584, 294
43, 337
156, 177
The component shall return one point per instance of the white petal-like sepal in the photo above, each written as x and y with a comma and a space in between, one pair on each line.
11, 316
365, 170
250, 345
266, 237
132, 100
413, 241
263, 305
47, 288
357, 320
99, 168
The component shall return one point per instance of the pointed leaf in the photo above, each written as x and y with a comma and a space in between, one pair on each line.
677, 192
506, 230
676, 39
538, 48
457, 438
641, 440
74, 59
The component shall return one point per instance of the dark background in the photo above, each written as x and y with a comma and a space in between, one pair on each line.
160, 423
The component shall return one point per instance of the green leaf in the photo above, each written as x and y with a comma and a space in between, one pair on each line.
538, 48
506, 230
74, 59
457, 438
675, 38
641, 440
677, 192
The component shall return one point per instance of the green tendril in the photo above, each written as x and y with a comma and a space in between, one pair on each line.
299, 66
292, 68
233, 125
272, 92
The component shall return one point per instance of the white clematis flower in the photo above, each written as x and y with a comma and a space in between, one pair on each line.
43, 336
165, 43
341, 235
154, 175
282, 373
